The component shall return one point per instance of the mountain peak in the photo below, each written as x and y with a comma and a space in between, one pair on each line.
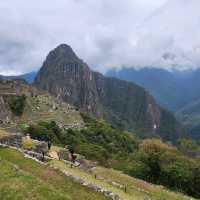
64, 48
63, 51
68, 78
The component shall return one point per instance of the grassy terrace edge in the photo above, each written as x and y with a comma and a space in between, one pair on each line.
22, 178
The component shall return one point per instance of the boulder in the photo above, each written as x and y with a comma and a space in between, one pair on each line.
64, 154
41, 147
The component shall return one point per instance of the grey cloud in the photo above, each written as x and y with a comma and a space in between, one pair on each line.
104, 33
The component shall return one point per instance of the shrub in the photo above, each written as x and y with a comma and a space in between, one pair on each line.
166, 165
17, 104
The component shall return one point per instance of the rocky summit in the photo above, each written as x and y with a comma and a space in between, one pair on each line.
124, 104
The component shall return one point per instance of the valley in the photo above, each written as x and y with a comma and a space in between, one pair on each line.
115, 125
100, 100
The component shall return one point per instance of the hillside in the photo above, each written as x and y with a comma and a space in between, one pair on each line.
21, 103
42, 182
125, 105
177, 91
22, 178
170, 92
189, 115
126, 187
176, 167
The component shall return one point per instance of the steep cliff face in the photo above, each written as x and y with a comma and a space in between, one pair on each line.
127, 105
124, 104
70, 79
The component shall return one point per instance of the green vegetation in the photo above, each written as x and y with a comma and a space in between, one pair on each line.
29, 144
17, 104
99, 141
164, 164
188, 144
30, 106
46, 108
150, 159
137, 187
130, 188
45, 131
22, 179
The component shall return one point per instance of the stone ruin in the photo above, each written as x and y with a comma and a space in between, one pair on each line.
64, 154
12, 139
81, 161
41, 148
86, 165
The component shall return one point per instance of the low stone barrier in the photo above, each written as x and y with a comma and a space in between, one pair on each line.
36, 155
38, 158
28, 154
14, 139
92, 186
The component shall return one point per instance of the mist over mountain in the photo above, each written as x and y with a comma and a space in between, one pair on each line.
162, 33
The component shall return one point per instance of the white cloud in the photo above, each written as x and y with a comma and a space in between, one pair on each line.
104, 33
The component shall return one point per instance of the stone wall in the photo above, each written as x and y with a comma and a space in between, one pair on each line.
64, 154
12, 140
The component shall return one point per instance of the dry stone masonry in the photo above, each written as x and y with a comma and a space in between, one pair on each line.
14, 139
92, 186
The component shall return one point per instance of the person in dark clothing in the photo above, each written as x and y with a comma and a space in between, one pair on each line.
49, 144
73, 156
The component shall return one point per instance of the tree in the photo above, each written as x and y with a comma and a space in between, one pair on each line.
17, 104
150, 153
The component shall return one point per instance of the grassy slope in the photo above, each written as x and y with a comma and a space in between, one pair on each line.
40, 108
136, 186
136, 189
36, 182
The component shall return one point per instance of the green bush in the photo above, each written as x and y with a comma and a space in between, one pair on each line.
43, 131
17, 104
167, 166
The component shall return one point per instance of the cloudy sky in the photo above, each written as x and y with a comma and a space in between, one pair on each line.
105, 33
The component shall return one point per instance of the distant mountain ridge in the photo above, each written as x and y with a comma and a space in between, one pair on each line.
121, 103
168, 87
29, 77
